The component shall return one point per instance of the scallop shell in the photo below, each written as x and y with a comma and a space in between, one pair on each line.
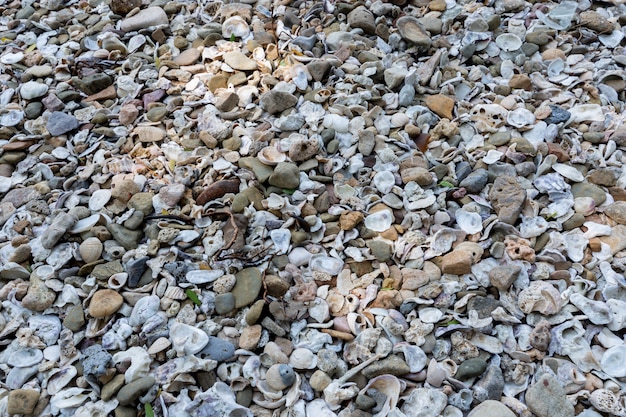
91, 249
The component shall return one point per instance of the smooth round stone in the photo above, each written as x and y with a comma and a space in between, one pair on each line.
491, 408
471, 368
224, 303
217, 349
133, 390
280, 376
33, 89
104, 303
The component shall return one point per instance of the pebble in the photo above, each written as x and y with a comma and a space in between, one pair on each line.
491, 408
133, 390
546, 397
22, 401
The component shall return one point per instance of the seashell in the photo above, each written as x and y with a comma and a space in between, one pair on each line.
613, 361
520, 117
187, 340
596, 311
203, 276
509, 42
171, 194
24, 358
235, 26
302, 358
99, 199
59, 379
327, 264
379, 221
85, 224
541, 297
91, 249
469, 222
117, 281
139, 362
271, 156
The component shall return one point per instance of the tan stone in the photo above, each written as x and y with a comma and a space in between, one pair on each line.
250, 337
441, 105
104, 303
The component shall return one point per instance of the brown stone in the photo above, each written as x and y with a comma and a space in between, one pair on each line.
22, 401
441, 105
457, 262
350, 219
250, 337
104, 303
521, 81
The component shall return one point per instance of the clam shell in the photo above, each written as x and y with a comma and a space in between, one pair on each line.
91, 249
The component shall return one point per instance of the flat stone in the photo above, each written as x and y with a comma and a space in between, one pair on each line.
441, 105
502, 277
152, 16
75, 318
547, 398
133, 390
507, 198
277, 101
286, 175
22, 401
237, 60
392, 365
491, 408
457, 262
187, 57
247, 287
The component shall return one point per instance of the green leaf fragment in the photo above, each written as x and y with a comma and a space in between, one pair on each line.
193, 297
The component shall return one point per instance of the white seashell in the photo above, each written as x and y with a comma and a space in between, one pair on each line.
26, 357
302, 358
614, 361
379, 221
187, 340
492, 157
469, 222
60, 378
597, 311
281, 239
586, 113
271, 156
203, 276
85, 224
339, 123
509, 42
117, 281
99, 199
569, 172
145, 308
11, 118
91, 249
139, 362
520, 117
327, 264
236, 26
384, 181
